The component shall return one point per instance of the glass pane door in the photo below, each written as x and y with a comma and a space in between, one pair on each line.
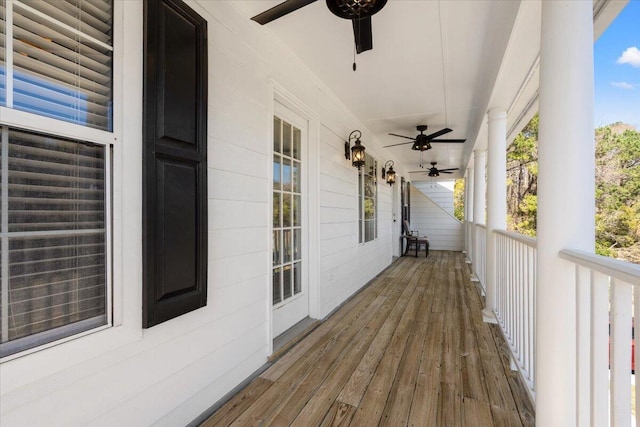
287, 216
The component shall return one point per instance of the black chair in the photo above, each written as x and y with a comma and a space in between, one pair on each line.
413, 240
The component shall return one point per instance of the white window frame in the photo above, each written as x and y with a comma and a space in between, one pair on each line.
303, 214
116, 172
361, 198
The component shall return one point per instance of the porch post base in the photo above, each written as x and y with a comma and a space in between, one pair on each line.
489, 316
512, 363
474, 278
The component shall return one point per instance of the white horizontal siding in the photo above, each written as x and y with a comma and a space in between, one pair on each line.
342, 271
443, 230
169, 374
440, 192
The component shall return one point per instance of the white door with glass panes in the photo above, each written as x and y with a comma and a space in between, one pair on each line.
289, 287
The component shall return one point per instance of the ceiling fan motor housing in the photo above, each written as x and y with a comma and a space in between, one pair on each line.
422, 141
355, 9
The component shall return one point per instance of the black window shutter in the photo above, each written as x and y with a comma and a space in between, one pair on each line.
174, 161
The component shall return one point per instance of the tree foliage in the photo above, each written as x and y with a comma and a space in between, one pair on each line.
458, 199
522, 180
618, 191
617, 188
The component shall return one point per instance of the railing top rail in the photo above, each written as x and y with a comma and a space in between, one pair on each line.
526, 240
621, 270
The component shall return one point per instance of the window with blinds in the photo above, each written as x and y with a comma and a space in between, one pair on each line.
56, 60
61, 55
53, 250
2, 49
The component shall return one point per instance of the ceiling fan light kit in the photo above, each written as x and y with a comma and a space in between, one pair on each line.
421, 146
355, 9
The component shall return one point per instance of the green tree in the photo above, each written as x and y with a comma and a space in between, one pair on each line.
522, 180
618, 192
458, 199
617, 188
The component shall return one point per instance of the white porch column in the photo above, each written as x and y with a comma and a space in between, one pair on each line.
479, 202
496, 202
566, 194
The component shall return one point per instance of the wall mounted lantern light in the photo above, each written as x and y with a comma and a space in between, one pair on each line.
356, 153
388, 173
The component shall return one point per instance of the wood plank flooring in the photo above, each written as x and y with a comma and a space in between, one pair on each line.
410, 349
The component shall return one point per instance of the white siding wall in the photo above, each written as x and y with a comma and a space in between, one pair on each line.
441, 192
342, 260
444, 231
171, 373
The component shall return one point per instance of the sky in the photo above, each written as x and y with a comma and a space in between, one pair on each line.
617, 70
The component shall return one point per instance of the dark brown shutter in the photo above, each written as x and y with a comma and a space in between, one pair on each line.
175, 161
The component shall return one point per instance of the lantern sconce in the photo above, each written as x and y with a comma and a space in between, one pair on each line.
389, 173
355, 153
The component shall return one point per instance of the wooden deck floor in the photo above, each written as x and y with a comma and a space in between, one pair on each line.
409, 350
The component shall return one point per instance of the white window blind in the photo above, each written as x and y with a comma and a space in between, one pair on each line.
53, 239
2, 54
62, 60
55, 61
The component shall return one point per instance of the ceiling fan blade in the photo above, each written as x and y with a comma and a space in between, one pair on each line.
448, 169
448, 140
402, 136
362, 34
439, 171
394, 145
280, 10
439, 133
422, 171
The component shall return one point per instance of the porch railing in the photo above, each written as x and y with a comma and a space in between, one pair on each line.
606, 318
515, 299
608, 312
469, 232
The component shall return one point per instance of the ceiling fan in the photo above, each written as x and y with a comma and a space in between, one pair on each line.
358, 11
434, 171
423, 142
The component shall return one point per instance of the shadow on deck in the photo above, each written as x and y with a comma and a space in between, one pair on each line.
410, 349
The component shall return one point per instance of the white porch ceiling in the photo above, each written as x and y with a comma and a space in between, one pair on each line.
433, 62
